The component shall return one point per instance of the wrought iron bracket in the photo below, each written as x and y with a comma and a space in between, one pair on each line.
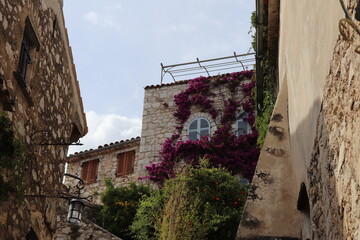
45, 138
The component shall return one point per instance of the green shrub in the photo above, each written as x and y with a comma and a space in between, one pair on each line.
12, 161
119, 207
145, 224
200, 203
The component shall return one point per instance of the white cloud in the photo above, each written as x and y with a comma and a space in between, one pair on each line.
102, 20
107, 128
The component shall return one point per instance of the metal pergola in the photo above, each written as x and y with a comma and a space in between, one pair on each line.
209, 67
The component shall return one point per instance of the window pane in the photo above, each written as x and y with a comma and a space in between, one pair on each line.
192, 135
204, 124
193, 125
241, 115
204, 132
242, 127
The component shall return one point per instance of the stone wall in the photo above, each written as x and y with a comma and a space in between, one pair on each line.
322, 185
159, 123
44, 107
334, 171
86, 230
107, 156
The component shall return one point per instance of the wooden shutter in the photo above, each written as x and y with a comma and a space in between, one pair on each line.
84, 171
120, 164
130, 158
93, 171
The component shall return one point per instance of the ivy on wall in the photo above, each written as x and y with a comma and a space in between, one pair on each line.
238, 154
12, 161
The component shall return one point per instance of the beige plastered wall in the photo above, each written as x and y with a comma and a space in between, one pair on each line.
308, 33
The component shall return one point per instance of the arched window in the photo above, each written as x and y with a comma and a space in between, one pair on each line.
242, 126
198, 128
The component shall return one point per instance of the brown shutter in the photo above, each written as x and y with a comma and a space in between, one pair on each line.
93, 170
120, 164
84, 171
130, 158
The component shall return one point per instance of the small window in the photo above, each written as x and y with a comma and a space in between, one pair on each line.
29, 44
125, 163
198, 128
90, 170
242, 126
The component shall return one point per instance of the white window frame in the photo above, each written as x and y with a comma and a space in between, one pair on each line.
199, 128
240, 119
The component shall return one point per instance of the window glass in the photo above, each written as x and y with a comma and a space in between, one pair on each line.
204, 123
204, 133
198, 128
193, 125
242, 127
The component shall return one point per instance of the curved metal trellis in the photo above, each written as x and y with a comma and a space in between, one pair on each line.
349, 21
208, 67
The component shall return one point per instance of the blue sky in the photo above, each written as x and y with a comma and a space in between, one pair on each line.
118, 46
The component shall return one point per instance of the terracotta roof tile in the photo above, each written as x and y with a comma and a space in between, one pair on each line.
109, 145
167, 84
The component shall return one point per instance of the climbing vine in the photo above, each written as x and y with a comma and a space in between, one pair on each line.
238, 154
12, 161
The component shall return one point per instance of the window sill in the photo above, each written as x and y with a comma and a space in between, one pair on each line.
90, 182
123, 175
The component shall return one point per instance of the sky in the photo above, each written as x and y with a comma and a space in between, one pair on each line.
118, 46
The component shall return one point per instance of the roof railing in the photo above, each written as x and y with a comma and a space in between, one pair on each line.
209, 67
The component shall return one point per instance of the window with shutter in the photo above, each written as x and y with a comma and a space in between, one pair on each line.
130, 162
125, 164
84, 170
120, 164
90, 170
93, 170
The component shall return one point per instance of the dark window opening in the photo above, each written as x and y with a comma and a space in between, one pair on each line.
303, 205
31, 235
29, 45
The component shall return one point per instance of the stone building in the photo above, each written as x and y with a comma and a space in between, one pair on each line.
126, 161
159, 123
115, 161
40, 95
310, 154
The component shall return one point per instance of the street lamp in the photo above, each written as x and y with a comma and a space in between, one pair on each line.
76, 208
77, 204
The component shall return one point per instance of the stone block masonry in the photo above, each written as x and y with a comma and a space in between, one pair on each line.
40, 94
159, 123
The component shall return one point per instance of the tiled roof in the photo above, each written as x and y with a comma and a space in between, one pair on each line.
167, 84
105, 147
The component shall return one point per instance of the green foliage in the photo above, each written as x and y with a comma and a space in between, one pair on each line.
12, 161
119, 207
200, 203
252, 31
146, 221
270, 93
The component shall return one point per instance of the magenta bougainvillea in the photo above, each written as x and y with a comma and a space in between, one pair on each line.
238, 154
